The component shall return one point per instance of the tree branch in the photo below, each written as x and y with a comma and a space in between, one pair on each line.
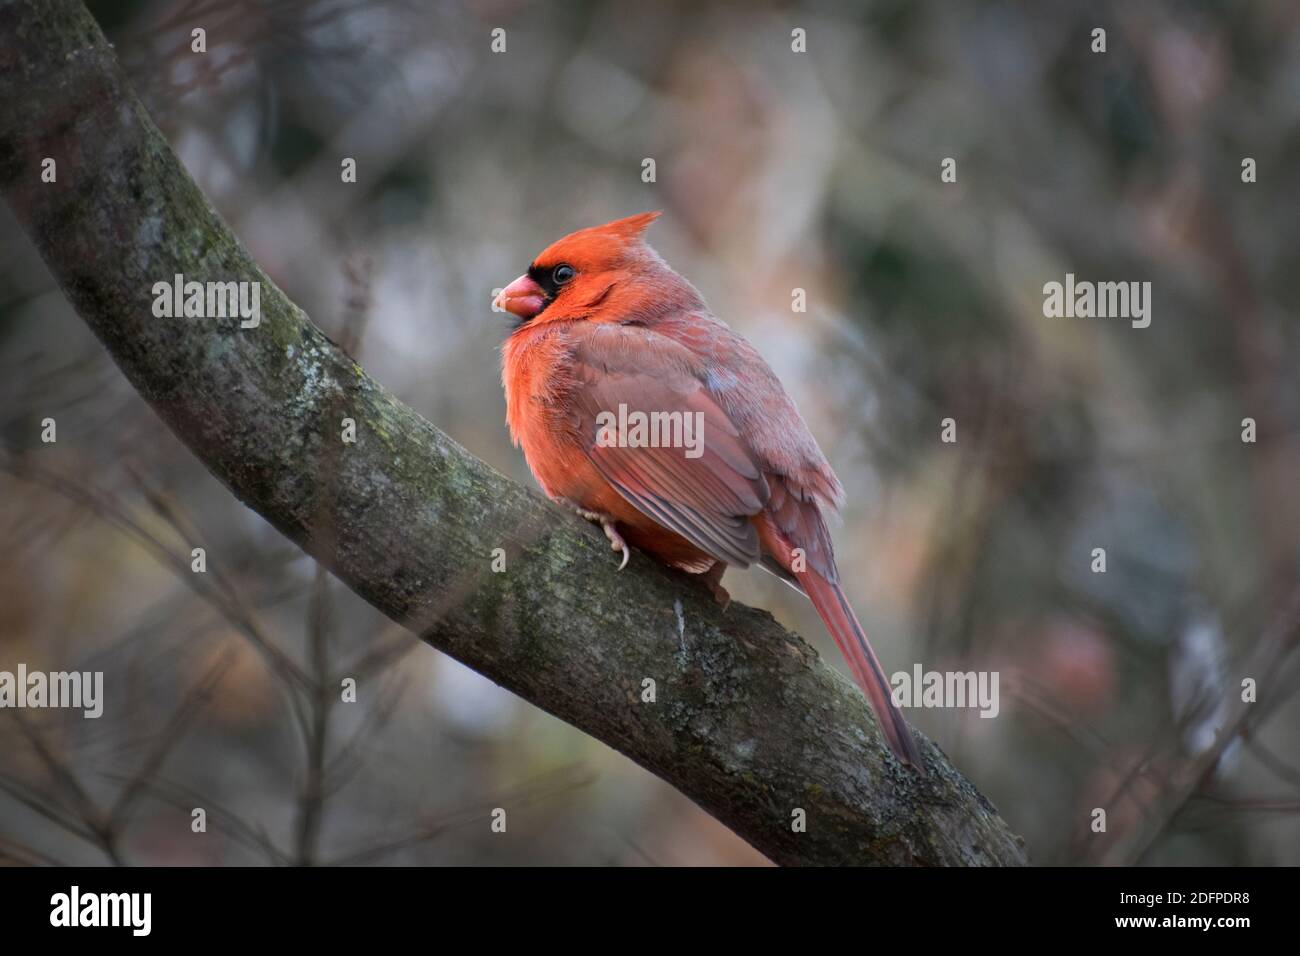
748, 722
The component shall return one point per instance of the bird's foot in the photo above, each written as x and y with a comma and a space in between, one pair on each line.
712, 579
616, 541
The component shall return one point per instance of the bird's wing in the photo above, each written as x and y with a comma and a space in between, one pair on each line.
703, 481
803, 488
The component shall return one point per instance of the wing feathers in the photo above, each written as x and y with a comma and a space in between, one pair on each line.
705, 482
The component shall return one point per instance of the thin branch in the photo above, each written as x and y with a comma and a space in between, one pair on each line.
194, 701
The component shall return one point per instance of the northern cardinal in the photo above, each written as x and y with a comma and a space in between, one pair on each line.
605, 326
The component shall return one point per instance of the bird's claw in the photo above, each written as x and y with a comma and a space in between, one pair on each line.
616, 541
712, 579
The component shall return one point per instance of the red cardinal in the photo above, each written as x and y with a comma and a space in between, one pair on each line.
731, 476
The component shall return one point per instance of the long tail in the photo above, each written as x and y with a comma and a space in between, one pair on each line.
829, 600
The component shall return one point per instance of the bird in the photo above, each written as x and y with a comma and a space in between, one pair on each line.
608, 342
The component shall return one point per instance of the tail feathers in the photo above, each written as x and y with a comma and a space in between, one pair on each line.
829, 600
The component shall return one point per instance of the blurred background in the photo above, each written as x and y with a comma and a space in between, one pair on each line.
776, 170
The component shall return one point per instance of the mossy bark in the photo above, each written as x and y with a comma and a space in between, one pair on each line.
747, 721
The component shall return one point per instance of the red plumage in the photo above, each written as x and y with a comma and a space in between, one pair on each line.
605, 322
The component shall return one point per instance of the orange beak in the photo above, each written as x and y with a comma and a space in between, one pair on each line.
523, 298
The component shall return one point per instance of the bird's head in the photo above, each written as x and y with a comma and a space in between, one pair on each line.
574, 277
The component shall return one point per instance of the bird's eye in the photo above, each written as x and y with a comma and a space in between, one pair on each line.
562, 274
